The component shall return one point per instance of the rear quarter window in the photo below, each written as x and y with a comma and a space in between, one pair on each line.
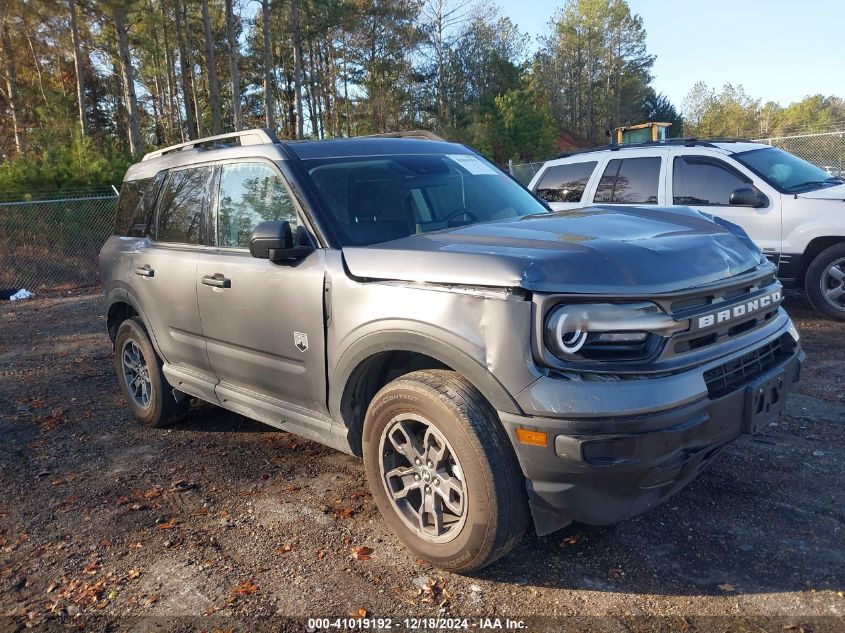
565, 183
135, 206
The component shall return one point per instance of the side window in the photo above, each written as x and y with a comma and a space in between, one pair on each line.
565, 183
704, 181
629, 181
180, 214
130, 206
250, 193
136, 206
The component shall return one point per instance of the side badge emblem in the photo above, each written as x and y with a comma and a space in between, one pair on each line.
300, 339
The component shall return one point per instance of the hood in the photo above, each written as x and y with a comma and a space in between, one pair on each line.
837, 192
598, 250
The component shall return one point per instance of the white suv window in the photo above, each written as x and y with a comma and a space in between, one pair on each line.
700, 181
565, 183
629, 181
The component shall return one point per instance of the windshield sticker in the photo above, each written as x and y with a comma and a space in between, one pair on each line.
473, 165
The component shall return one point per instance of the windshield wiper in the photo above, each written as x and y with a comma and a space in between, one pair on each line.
810, 183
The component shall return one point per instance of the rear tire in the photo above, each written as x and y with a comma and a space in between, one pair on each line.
825, 282
442, 471
147, 392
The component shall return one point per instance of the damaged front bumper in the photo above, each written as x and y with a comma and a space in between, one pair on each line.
646, 438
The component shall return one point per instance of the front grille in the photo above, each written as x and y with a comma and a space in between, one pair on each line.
740, 371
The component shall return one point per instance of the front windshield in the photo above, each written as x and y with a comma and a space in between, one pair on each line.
784, 171
381, 198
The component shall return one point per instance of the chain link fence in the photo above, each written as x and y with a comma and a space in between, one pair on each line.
53, 244
524, 172
827, 149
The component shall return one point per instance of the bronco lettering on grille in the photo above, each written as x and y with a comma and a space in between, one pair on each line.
739, 310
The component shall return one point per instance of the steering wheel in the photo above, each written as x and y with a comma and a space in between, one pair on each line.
459, 212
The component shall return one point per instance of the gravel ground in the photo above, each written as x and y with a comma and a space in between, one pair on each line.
222, 523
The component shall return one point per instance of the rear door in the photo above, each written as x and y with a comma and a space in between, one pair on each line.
263, 322
632, 179
164, 270
705, 182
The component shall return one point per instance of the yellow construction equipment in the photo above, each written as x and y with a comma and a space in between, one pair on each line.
641, 133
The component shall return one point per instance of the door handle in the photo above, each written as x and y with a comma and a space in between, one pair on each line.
217, 280
145, 271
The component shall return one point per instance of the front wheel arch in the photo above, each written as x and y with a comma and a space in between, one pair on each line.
349, 397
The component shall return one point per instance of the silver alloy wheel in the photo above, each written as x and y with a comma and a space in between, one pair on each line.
136, 374
833, 284
423, 478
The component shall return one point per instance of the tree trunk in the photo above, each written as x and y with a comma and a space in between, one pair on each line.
297, 67
213, 88
173, 116
187, 87
12, 90
269, 118
232, 41
135, 144
78, 68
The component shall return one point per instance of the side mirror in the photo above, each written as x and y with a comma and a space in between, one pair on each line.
748, 197
274, 240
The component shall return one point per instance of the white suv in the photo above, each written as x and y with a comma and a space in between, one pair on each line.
792, 209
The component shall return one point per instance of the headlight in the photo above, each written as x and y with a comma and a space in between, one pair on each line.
606, 330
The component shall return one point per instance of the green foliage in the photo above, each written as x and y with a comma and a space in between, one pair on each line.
58, 167
733, 113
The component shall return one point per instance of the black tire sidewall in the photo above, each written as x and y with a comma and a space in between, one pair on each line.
477, 533
154, 415
812, 282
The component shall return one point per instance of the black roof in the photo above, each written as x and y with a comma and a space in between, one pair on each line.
369, 146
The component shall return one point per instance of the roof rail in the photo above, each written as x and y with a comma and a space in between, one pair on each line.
687, 142
257, 136
431, 136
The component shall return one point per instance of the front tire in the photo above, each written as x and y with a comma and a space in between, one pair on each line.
442, 471
147, 392
825, 282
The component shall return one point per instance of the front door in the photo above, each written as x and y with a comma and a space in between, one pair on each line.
707, 182
262, 322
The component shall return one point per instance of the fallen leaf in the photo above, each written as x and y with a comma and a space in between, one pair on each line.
244, 588
133, 573
284, 549
321, 554
151, 600
91, 569
347, 513
153, 492
361, 553
167, 526
571, 540
52, 587
360, 613
727, 587
200, 512
137, 545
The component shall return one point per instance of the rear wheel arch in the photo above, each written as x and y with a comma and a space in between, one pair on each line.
377, 359
122, 305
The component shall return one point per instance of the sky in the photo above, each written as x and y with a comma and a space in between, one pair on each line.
779, 50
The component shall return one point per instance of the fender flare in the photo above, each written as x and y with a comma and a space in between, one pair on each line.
408, 341
124, 295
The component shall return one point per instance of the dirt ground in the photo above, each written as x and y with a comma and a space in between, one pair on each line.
221, 523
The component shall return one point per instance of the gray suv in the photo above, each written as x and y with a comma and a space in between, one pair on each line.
403, 300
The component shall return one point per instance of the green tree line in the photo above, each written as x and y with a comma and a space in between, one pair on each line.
87, 86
